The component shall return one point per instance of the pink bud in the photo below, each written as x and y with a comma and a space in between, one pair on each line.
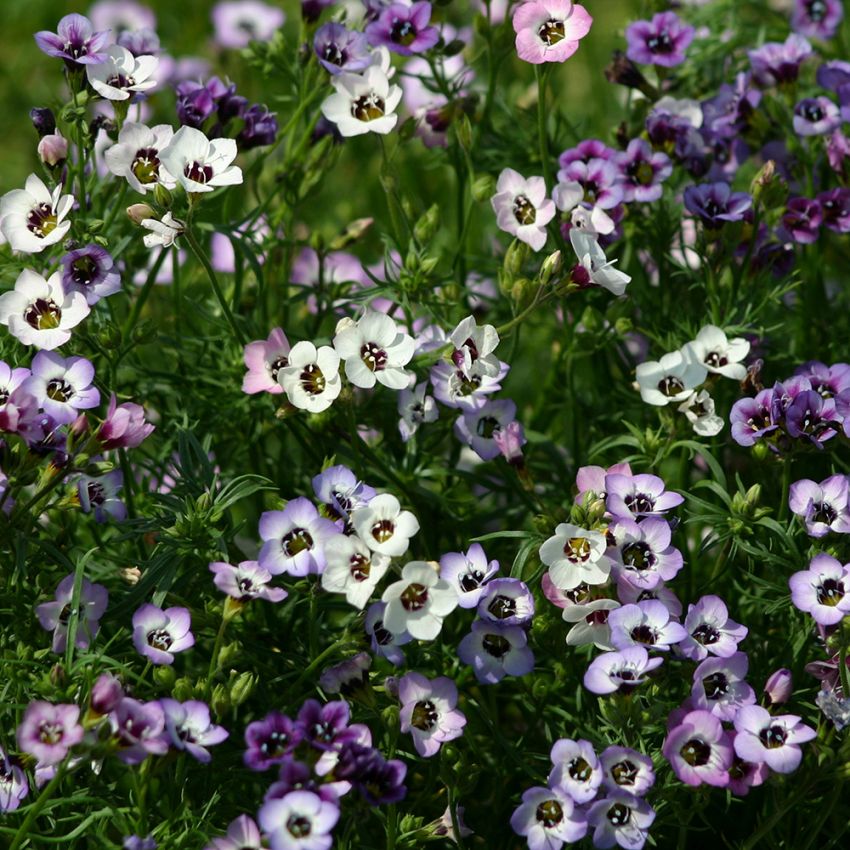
80, 425
510, 441
106, 694
53, 149
778, 687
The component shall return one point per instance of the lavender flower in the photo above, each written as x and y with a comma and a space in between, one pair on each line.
339, 489
619, 671
54, 616
106, 693
239, 22
293, 539
75, 41
429, 712
13, 784
90, 270
642, 172
719, 686
823, 507
189, 727
575, 769
817, 18
626, 770
661, 41
468, 573
383, 641
63, 386
242, 834
261, 127
802, 220
776, 63
547, 818
264, 360
715, 204
646, 624
100, 496
778, 687
404, 29
158, 634
299, 821
478, 427
822, 589
495, 651
380, 781
507, 601
326, 728
630, 496
136, 842
698, 749
816, 116
48, 731
246, 581
773, 740
753, 419
620, 819
710, 631
270, 740
642, 554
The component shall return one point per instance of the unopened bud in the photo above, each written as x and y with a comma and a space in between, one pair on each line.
53, 150
43, 120
165, 676
426, 227
551, 266
483, 188
137, 213
220, 701
242, 687
778, 687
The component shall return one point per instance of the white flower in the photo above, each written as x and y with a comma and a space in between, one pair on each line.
162, 232
122, 73
699, 408
718, 354
599, 268
39, 312
415, 407
475, 344
374, 350
383, 526
363, 103
594, 221
686, 108
31, 218
311, 380
136, 156
198, 164
352, 569
522, 208
591, 623
673, 378
418, 603
575, 556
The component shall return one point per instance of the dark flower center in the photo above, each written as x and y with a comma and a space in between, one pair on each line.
716, 685
59, 390
549, 813
368, 107
773, 737
50, 733
813, 112
120, 81
414, 597
312, 380
374, 357
277, 364
551, 32
502, 607
246, 586
198, 172
579, 769
403, 32
84, 270
382, 636
383, 530
705, 634
638, 556
824, 512
471, 580
578, 595
660, 43
817, 10
145, 165
359, 566
619, 814
624, 772
696, 752
296, 541
640, 503
644, 634
298, 826
42, 220
425, 715
95, 493
670, 385
160, 639
641, 172
524, 210
486, 426
577, 549
333, 53
597, 618
830, 592
715, 359
496, 645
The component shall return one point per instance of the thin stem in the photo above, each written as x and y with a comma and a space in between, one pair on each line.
38, 805
219, 638
541, 74
842, 671
133, 318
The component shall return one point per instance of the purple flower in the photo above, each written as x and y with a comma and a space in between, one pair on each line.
311, 10
754, 418
773, 740
13, 784
54, 616
106, 693
404, 29
642, 554
265, 359
298, 776
710, 631
90, 270
494, 651
158, 634
822, 589
189, 727
627, 592
547, 818
239, 22
619, 671
778, 687
260, 127
301, 820
835, 204
811, 417
719, 686
698, 749
195, 102
817, 18
823, 507
661, 41
716, 203
125, 426
621, 819
380, 781
340, 49
347, 677
591, 479
575, 769
293, 539
599, 178
730, 110
634, 496
242, 834
744, 775
270, 740
507, 601
477, 427
468, 573
63, 386
141, 42
816, 116
802, 220
642, 172
646, 624
829, 381
246, 581
775, 63
384, 642
429, 712
338, 488
509, 440
326, 728
48, 731
626, 770
100, 496
74, 41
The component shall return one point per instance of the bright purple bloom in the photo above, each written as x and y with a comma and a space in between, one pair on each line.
340, 49
730, 110
242, 834
710, 631
754, 418
835, 204
90, 270
260, 128
265, 359
817, 18
404, 29
75, 41
698, 749
829, 381
63, 386
158, 634
823, 590
802, 220
774, 740
246, 581
719, 686
125, 426
549, 30
301, 820
775, 63
634, 496
270, 740
715, 203
429, 712
384, 642
48, 731
548, 818
106, 693
494, 651
661, 41
13, 784
646, 624
468, 573
326, 728
811, 417
293, 539
626, 770
600, 179
823, 507
621, 819
189, 727
642, 554
575, 769
507, 601
642, 171
779, 687
816, 116
619, 671
54, 616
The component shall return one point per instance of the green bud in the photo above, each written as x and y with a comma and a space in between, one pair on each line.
592, 320
164, 676
483, 188
522, 292
351, 233
96, 225
454, 47
515, 258
110, 337
145, 331
102, 241
623, 326
551, 266
229, 654
220, 700
242, 687
426, 227
183, 689
427, 265
410, 823
761, 451
163, 196
540, 688
389, 716
463, 130
768, 188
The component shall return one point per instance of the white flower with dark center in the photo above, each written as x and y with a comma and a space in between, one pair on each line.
39, 312
671, 379
418, 603
136, 156
122, 74
591, 623
575, 556
32, 218
522, 208
311, 380
200, 164
699, 408
718, 354
374, 350
352, 568
164, 232
415, 407
474, 344
600, 270
363, 103
383, 526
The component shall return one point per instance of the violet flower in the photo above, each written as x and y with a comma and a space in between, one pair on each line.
816, 116
429, 712
125, 426
822, 590
63, 386
48, 731
642, 554
270, 740
14, 786
261, 128
403, 29
239, 22
621, 819
158, 633
802, 220
139, 729
242, 834
710, 631
293, 539
626, 770
776, 63
494, 651
189, 727
340, 49
549, 30
719, 686
619, 671
575, 769
714, 204
547, 818
835, 204
661, 41
468, 573
823, 507
383, 641
339, 489
75, 41
699, 750
54, 616
507, 601
91, 271
246, 581
636, 496
817, 18
774, 740
646, 624
642, 172
301, 820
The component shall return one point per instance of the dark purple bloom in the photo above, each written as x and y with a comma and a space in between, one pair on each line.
661, 41
754, 418
55, 615
106, 693
835, 204
196, 102
585, 151
775, 63
833, 75
507, 601
811, 417
710, 631
379, 780
298, 776
802, 220
90, 270
404, 29
43, 120
231, 105
775, 740
716, 203
74, 41
727, 154
325, 727
730, 110
48, 731
270, 740
341, 49
817, 18
642, 172
312, 9
744, 775
698, 749
260, 128
816, 116
495, 651
675, 135
829, 381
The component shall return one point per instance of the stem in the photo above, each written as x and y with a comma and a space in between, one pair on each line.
321, 658
842, 671
133, 318
503, 329
38, 805
541, 74
455, 821
115, 207
219, 638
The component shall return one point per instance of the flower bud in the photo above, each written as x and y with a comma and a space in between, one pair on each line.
242, 687
183, 689
137, 213
220, 700
105, 694
165, 677
778, 687
43, 120
483, 188
426, 227
53, 150
551, 266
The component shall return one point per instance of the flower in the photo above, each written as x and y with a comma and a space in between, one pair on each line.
468, 573
642, 554
53, 150
575, 556
48, 731
714, 204
779, 62
419, 602
121, 74
125, 426
719, 355
590, 617
55, 616
239, 22
13, 784
75, 41
661, 41
32, 218
645, 623
802, 220
91, 271
710, 631
383, 526
163, 232
374, 350
62, 386
189, 727
352, 569
522, 208
597, 269
778, 687
403, 29
635, 497
816, 116
106, 693
139, 729
671, 379
136, 156
575, 769
198, 163
301, 820
326, 728
478, 427
242, 834
835, 204
246, 581
619, 671
817, 18
136, 842
349, 677
311, 378
363, 103
340, 491
698, 749
620, 819
822, 589
699, 410
754, 418
100, 496
507, 601
626, 770
384, 642
270, 741
823, 507
415, 407
494, 651
719, 686
294, 539
265, 359
547, 818
340, 49
158, 633
549, 30
642, 171
429, 712
773, 740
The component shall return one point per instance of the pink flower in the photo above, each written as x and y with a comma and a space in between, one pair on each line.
549, 30
125, 426
265, 359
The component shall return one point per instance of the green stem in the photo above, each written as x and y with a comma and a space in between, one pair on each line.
541, 74
115, 207
219, 638
133, 318
321, 658
455, 820
38, 805
842, 671
538, 300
